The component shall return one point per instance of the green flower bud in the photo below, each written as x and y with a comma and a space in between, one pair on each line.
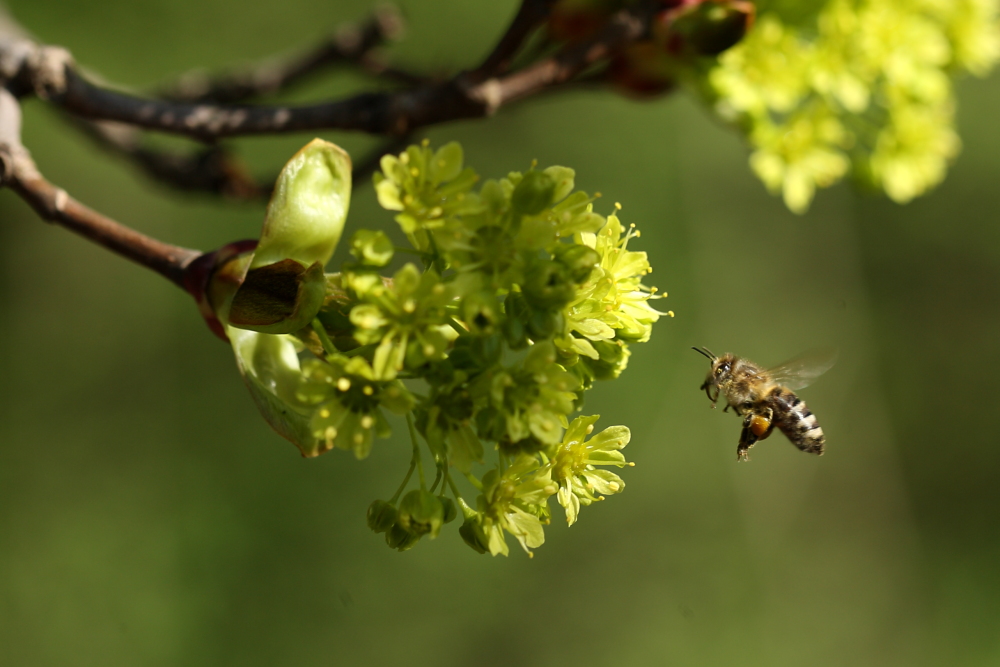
514, 325
481, 312
421, 513
372, 248
534, 193
400, 539
579, 260
548, 284
613, 360
450, 511
490, 424
471, 535
381, 516
486, 350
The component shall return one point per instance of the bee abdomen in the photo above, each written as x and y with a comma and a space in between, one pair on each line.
796, 421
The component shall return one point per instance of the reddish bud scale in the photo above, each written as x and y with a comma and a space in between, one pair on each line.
198, 276
643, 70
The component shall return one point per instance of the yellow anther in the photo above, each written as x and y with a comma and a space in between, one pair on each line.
367, 422
324, 413
368, 391
343, 384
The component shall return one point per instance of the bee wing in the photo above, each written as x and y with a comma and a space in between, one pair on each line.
801, 371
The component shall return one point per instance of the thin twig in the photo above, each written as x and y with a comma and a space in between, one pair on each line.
352, 43
530, 15
19, 173
211, 169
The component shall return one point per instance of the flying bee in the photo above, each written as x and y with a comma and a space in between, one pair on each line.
765, 398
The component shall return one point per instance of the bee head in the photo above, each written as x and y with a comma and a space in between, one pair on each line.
721, 368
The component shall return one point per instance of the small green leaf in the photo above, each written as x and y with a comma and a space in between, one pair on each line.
270, 370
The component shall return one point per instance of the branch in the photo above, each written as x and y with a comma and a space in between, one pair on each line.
50, 72
352, 43
18, 171
529, 16
210, 169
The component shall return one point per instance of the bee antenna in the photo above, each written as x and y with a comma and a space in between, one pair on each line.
705, 351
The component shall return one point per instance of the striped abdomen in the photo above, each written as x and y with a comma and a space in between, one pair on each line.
795, 420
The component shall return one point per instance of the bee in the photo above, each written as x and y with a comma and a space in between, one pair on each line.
765, 398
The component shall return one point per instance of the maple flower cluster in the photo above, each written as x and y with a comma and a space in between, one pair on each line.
830, 88
517, 298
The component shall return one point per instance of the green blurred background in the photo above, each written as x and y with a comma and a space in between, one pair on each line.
148, 516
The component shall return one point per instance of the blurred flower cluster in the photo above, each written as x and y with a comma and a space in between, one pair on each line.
828, 88
516, 298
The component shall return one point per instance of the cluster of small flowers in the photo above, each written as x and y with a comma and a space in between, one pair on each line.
853, 85
520, 298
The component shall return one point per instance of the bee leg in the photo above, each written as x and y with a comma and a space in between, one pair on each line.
747, 440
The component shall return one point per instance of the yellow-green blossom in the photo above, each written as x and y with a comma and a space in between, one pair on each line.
573, 465
865, 84
613, 302
348, 399
405, 317
514, 501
